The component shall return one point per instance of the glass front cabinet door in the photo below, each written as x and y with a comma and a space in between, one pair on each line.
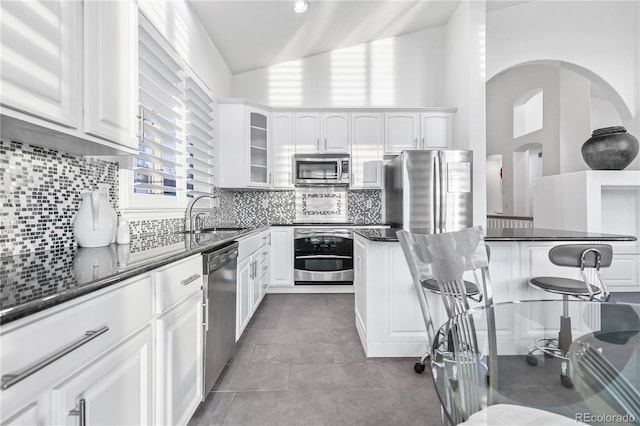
259, 170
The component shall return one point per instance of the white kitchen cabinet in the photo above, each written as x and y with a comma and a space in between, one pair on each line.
179, 357
243, 294
281, 257
263, 267
322, 132
359, 283
283, 149
104, 320
401, 131
110, 71
40, 61
116, 389
366, 150
179, 340
245, 147
44, 75
417, 130
436, 129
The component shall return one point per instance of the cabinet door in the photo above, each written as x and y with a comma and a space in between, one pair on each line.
359, 284
110, 77
283, 150
243, 295
40, 61
335, 132
281, 254
256, 283
259, 163
179, 356
401, 131
366, 147
115, 389
307, 132
437, 130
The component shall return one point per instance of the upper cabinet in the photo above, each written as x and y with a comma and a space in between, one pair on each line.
283, 149
110, 65
42, 69
418, 130
366, 150
245, 148
40, 59
322, 132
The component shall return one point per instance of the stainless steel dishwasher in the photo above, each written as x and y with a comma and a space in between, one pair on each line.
220, 270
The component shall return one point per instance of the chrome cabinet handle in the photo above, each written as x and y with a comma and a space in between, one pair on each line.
318, 144
11, 379
81, 412
191, 279
415, 141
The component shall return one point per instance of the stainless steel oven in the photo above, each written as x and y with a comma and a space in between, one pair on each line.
323, 256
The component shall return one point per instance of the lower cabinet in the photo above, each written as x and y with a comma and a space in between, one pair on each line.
125, 363
116, 389
243, 294
179, 345
281, 256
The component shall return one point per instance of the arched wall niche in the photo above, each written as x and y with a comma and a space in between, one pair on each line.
569, 90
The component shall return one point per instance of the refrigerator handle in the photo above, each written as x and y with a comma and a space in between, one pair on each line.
437, 184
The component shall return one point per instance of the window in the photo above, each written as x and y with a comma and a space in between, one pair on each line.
176, 149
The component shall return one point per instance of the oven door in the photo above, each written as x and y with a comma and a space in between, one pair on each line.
323, 256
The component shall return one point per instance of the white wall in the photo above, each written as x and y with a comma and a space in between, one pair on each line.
177, 22
403, 71
465, 89
601, 36
575, 119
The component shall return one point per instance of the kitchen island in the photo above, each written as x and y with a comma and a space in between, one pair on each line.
387, 313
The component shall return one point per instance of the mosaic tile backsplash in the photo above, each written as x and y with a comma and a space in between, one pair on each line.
40, 195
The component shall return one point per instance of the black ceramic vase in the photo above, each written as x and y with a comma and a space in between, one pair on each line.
610, 148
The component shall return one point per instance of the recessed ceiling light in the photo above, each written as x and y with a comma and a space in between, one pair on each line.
300, 6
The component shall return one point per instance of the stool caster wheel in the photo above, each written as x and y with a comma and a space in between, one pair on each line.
418, 367
532, 360
566, 381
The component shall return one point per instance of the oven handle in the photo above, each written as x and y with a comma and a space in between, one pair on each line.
319, 233
324, 256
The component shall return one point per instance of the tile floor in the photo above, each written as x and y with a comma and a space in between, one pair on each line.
300, 362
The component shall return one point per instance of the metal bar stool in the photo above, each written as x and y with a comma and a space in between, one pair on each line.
583, 256
424, 282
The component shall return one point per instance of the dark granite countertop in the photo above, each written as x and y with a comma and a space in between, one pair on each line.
508, 234
35, 281
329, 224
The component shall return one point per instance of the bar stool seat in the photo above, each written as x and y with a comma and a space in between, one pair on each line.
432, 285
567, 286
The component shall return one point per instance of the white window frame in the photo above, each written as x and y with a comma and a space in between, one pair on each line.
136, 206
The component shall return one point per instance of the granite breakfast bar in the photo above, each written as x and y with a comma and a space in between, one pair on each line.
388, 316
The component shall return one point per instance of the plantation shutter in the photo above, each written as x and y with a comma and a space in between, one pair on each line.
158, 166
200, 112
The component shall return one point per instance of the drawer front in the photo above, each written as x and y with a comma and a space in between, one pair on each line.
247, 246
66, 328
178, 281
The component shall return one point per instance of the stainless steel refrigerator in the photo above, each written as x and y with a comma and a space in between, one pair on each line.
430, 191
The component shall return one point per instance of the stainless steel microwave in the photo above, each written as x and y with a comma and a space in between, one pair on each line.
321, 169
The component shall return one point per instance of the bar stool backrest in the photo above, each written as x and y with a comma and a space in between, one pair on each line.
573, 255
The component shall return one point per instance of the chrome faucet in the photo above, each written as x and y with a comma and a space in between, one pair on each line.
194, 223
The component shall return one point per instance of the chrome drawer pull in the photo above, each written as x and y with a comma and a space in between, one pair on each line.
191, 279
9, 380
81, 412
